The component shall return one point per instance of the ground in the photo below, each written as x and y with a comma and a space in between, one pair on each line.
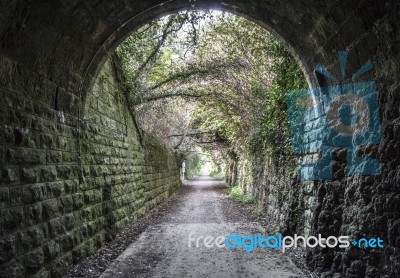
158, 244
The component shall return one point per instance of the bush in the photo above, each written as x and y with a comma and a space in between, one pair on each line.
216, 174
236, 193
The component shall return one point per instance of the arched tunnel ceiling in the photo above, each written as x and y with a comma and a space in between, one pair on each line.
67, 41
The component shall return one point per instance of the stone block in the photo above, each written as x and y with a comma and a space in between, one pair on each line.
16, 195
6, 135
90, 246
97, 210
33, 214
66, 203
54, 157
34, 193
70, 221
24, 137
78, 200
18, 102
47, 141
93, 196
61, 265
56, 227
10, 247
48, 173
55, 189
66, 242
14, 268
51, 250
93, 227
71, 186
101, 238
42, 273
40, 125
79, 253
12, 219
9, 175
4, 197
86, 214
29, 175
2, 155
64, 171
26, 156
34, 260
20, 119
69, 158
33, 237
51, 209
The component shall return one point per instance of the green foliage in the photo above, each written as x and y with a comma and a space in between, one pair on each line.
194, 164
230, 72
237, 194
258, 210
217, 174
272, 122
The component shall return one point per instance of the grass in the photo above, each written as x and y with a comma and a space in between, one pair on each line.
257, 210
217, 175
237, 194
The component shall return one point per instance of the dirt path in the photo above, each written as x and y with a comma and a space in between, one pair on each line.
200, 208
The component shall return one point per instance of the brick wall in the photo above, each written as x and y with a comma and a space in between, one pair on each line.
50, 218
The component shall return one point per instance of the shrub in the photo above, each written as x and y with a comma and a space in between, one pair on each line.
236, 193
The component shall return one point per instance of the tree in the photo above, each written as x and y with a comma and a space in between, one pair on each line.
210, 79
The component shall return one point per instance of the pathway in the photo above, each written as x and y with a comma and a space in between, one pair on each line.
163, 249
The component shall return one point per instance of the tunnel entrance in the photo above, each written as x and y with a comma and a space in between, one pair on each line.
62, 142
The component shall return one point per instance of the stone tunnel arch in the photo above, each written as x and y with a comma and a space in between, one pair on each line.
80, 35
126, 28
52, 51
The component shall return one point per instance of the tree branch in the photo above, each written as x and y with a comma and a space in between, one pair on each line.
172, 95
160, 43
191, 71
191, 134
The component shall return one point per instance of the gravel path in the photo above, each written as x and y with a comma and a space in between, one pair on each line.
157, 244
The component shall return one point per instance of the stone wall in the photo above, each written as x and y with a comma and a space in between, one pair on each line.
355, 206
286, 202
55, 211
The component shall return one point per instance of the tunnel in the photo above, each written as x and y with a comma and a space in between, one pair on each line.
74, 170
